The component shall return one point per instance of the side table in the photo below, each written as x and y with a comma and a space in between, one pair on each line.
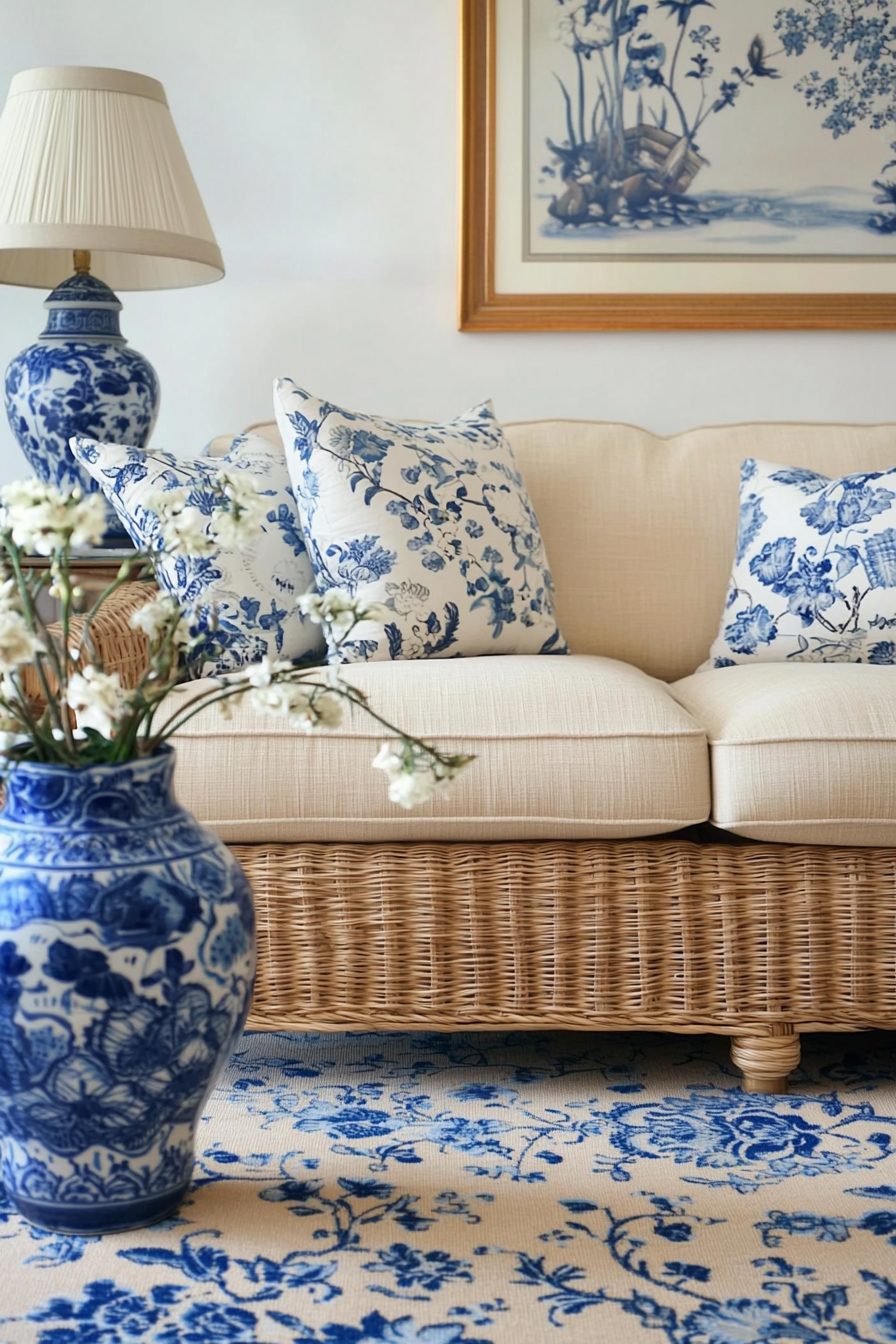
93, 570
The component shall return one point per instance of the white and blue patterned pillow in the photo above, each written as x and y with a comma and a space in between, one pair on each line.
814, 577
432, 522
252, 590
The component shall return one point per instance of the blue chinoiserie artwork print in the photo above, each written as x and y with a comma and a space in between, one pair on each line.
710, 128
432, 523
814, 575
242, 600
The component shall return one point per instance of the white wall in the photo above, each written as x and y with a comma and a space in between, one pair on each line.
323, 139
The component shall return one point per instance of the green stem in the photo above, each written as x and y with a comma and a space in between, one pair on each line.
19, 709
38, 625
64, 662
145, 564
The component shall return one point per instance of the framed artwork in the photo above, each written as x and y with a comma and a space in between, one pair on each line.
668, 164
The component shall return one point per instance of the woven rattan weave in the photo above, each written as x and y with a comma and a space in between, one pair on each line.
122, 649
755, 941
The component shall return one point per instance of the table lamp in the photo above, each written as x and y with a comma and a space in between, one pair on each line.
93, 179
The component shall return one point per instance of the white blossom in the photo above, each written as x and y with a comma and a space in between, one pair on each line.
408, 785
9, 595
184, 527
88, 520
323, 711
278, 697
411, 781
412, 787
98, 699
41, 519
238, 522
232, 530
339, 611
234, 521
18, 642
264, 672
388, 760
156, 617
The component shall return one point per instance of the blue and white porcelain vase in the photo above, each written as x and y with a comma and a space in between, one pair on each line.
80, 377
127, 955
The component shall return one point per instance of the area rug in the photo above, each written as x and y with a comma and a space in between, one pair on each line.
500, 1188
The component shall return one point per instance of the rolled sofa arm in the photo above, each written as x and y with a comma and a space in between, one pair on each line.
122, 649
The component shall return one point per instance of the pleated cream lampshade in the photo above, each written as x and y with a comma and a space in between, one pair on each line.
90, 160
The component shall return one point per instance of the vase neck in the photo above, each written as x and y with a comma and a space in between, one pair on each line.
100, 797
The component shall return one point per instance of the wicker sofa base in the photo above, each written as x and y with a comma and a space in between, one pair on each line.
756, 941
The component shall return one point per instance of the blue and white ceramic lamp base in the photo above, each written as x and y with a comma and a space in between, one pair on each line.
80, 378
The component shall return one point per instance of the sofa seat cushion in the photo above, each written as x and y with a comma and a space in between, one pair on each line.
801, 752
579, 747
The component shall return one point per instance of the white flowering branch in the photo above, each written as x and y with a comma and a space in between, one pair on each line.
84, 715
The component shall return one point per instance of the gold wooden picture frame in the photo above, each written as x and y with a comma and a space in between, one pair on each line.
483, 306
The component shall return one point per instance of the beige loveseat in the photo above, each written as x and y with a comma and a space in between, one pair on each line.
570, 878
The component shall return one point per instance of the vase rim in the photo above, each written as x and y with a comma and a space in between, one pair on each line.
163, 752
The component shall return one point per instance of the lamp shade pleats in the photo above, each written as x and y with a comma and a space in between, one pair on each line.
90, 160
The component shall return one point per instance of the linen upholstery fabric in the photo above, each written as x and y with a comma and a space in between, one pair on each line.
253, 589
641, 528
801, 752
814, 573
567, 747
433, 523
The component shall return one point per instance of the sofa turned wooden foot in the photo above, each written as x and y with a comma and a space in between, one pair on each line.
766, 1061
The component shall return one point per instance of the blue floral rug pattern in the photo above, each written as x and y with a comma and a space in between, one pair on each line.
500, 1188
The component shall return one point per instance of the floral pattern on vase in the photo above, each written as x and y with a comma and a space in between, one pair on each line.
80, 377
432, 523
127, 957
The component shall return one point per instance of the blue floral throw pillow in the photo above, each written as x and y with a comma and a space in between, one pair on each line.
814, 576
251, 591
432, 524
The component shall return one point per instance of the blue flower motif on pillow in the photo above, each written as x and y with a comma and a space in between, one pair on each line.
431, 523
242, 603
814, 576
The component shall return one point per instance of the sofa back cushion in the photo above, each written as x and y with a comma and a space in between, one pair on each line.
641, 529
